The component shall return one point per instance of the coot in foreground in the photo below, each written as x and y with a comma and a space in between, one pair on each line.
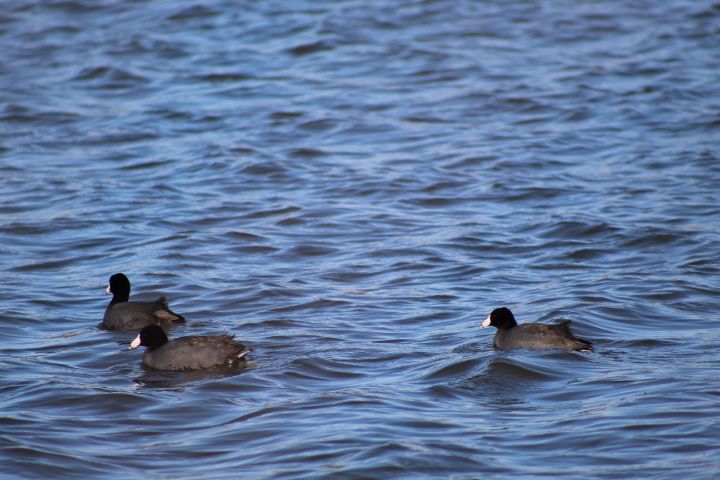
531, 335
188, 353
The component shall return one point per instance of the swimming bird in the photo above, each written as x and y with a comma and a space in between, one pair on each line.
121, 314
188, 353
531, 335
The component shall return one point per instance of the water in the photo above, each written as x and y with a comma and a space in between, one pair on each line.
350, 188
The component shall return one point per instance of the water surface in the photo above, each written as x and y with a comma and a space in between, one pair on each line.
350, 187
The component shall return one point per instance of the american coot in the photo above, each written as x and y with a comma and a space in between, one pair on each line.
121, 314
188, 353
531, 335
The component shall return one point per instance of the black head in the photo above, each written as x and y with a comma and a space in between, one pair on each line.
500, 318
119, 286
151, 337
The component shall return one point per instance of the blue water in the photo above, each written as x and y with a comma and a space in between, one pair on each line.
350, 188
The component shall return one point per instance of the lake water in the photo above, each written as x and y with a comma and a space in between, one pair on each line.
349, 188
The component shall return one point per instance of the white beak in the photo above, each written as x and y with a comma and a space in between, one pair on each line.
135, 343
107, 290
486, 322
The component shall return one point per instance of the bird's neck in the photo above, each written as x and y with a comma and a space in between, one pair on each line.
120, 297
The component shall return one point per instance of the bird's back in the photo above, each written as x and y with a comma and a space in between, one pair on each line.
196, 352
540, 336
134, 316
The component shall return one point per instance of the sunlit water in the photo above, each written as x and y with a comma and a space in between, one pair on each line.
349, 188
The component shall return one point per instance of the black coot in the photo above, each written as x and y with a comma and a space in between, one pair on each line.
531, 335
188, 353
122, 314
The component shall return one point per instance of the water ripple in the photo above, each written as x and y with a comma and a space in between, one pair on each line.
349, 189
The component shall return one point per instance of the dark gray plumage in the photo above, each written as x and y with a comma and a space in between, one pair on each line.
124, 315
188, 353
532, 335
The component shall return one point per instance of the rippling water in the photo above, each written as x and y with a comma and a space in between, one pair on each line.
349, 188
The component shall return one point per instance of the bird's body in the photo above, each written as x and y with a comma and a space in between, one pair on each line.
122, 314
188, 353
133, 316
532, 335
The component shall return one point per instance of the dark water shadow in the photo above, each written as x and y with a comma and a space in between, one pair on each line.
179, 380
508, 379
